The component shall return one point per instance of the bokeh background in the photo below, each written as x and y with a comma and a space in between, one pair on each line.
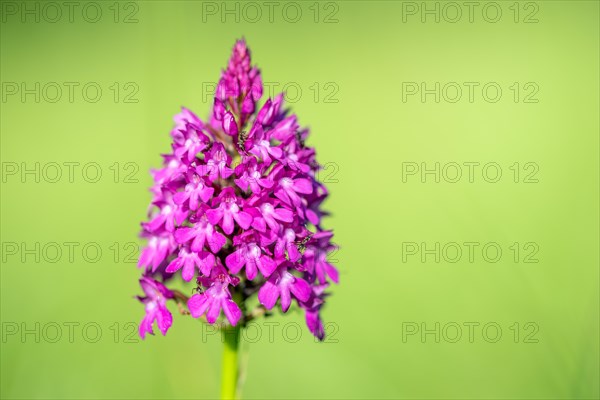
68, 323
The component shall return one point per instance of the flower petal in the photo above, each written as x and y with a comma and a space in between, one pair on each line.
235, 261
231, 310
302, 186
164, 319
183, 235
301, 289
283, 214
197, 304
227, 223
206, 261
214, 215
189, 269
268, 294
174, 265
213, 311
286, 299
266, 265
315, 326
229, 124
243, 219
216, 242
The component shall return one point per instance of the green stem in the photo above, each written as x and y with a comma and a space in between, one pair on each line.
229, 371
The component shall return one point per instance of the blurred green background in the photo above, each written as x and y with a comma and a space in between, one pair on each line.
352, 61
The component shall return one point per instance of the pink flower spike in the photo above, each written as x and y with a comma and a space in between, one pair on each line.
237, 200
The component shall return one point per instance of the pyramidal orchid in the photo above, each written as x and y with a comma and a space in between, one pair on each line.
236, 209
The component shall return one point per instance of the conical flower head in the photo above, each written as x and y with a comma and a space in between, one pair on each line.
237, 206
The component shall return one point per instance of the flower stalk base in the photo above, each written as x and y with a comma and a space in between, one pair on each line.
229, 371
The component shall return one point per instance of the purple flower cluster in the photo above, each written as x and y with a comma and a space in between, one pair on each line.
236, 206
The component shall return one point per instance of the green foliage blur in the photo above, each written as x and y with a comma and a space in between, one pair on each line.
417, 314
